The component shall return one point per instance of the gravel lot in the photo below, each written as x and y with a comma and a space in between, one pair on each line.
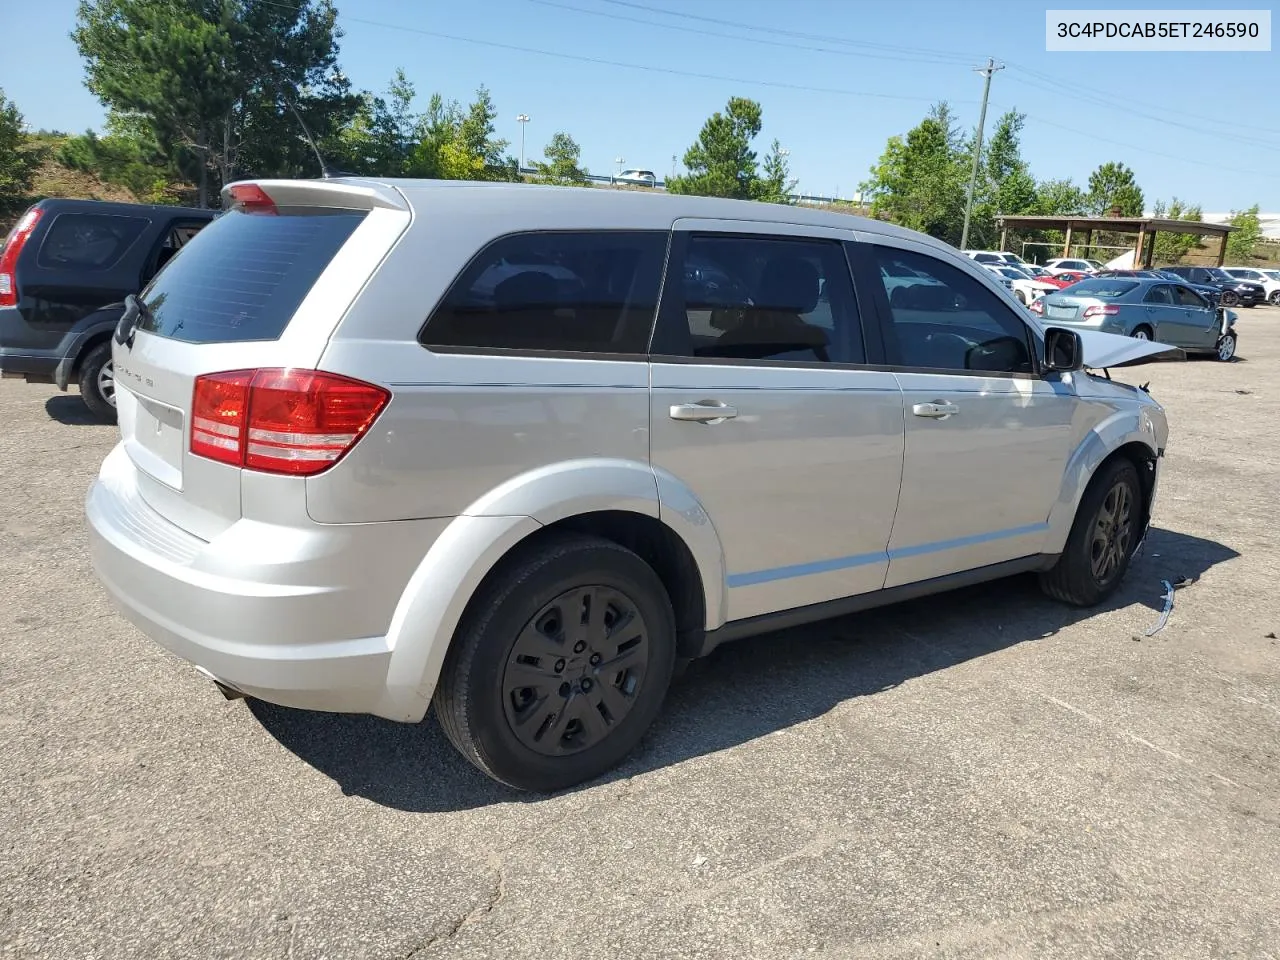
985, 775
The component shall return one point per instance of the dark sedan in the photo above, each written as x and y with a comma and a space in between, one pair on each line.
1234, 292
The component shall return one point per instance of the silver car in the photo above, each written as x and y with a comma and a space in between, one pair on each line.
356, 474
1147, 309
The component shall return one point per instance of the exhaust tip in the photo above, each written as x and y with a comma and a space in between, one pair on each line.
229, 692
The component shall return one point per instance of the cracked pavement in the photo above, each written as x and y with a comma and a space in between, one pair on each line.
986, 774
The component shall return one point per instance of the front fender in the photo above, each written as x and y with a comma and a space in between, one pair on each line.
1122, 427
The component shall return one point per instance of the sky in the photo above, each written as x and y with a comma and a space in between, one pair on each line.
636, 79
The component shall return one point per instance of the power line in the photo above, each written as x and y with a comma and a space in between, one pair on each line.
1155, 153
945, 55
600, 61
1076, 88
729, 36
1165, 119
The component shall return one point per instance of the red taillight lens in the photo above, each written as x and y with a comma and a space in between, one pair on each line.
18, 236
251, 198
297, 422
1037, 305
219, 410
1110, 310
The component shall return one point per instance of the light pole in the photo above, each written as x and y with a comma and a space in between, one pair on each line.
619, 161
522, 119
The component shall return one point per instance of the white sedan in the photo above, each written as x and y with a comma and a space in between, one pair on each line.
1025, 287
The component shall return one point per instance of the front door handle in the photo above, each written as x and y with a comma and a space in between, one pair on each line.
704, 412
937, 410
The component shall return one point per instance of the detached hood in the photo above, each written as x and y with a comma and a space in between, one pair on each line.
1102, 350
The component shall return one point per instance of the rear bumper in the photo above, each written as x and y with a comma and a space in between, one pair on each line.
32, 365
296, 617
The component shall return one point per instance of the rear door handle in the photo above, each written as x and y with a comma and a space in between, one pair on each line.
704, 412
936, 410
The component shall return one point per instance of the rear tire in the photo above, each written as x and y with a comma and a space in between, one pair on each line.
1274, 299
1143, 333
97, 383
560, 665
1106, 531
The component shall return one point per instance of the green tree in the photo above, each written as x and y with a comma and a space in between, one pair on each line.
1005, 183
379, 138
1114, 185
18, 159
775, 183
218, 82
1170, 248
1240, 244
457, 144
1058, 198
920, 180
722, 163
561, 163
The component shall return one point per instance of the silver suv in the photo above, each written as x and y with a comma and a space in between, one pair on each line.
500, 449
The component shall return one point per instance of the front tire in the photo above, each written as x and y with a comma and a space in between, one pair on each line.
1229, 298
560, 665
1106, 531
1226, 347
1274, 299
98, 384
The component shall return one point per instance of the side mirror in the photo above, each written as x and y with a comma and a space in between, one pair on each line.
1063, 350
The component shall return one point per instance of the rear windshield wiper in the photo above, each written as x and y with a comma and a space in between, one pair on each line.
134, 310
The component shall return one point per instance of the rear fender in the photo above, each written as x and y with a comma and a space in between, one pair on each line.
456, 564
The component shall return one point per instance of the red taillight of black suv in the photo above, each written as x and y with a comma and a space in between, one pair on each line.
13, 245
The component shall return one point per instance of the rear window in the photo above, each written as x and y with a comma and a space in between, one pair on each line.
243, 276
589, 292
88, 241
1104, 288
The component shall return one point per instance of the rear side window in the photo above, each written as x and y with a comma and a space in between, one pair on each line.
243, 276
88, 241
589, 292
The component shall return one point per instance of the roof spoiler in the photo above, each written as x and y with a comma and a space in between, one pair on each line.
342, 194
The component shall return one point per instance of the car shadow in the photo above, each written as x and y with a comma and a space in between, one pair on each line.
743, 690
70, 409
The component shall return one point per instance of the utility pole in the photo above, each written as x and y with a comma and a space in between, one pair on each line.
522, 120
986, 72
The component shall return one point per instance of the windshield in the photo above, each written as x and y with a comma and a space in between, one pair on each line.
1105, 288
1273, 274
1218, 274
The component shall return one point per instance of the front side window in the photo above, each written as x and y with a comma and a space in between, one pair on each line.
88, 241
767, 298
944, 319
1189, 298
582, 292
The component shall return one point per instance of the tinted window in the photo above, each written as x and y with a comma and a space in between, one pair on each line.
578, 292
243, 276
758, 298
88, 241
1189, 298
1159, 294
1106, 288
944, 319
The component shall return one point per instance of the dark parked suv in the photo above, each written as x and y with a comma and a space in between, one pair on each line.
65, 269
1235, 292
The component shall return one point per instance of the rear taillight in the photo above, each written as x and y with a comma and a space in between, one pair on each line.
1110, 310
1037, 305
18, 236
296, 422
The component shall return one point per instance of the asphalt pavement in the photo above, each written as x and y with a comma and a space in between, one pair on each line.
986, 774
